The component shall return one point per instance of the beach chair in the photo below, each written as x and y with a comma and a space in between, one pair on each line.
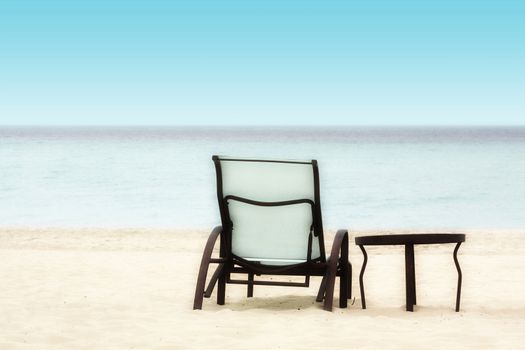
271, 225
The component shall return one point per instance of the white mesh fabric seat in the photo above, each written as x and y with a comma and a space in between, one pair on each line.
266, 226
273, 235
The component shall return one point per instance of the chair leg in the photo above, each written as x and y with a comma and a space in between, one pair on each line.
330, 282
340, 245
250, 285
343, 279
221, 288
199, 289
203, 270
221, 284
343, 284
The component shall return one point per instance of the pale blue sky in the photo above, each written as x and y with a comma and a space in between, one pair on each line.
262, 62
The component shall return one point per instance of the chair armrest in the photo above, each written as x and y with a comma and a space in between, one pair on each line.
212, 238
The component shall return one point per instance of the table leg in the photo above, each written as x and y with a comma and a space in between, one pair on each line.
414, 278
410, 278
361, 284
458, 295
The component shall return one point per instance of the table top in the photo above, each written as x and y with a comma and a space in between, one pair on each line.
415, 238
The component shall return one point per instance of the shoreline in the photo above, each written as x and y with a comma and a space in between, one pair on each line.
480, 241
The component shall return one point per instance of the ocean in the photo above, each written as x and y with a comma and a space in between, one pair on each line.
163, 177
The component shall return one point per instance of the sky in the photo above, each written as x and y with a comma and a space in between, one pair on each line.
267, 62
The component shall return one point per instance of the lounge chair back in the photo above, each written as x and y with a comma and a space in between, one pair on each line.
270, 210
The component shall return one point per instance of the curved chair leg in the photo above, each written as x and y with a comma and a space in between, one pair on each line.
361, 283
203, 270
458, 295
340, 245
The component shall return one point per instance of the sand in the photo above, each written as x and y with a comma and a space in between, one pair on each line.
133, 289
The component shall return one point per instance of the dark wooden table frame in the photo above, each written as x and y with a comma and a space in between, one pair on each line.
409, 240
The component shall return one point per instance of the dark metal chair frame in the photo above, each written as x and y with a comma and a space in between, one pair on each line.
228, 263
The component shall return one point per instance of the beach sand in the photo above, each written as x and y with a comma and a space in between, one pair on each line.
133, 289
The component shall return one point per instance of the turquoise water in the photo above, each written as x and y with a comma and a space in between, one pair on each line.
164, 177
